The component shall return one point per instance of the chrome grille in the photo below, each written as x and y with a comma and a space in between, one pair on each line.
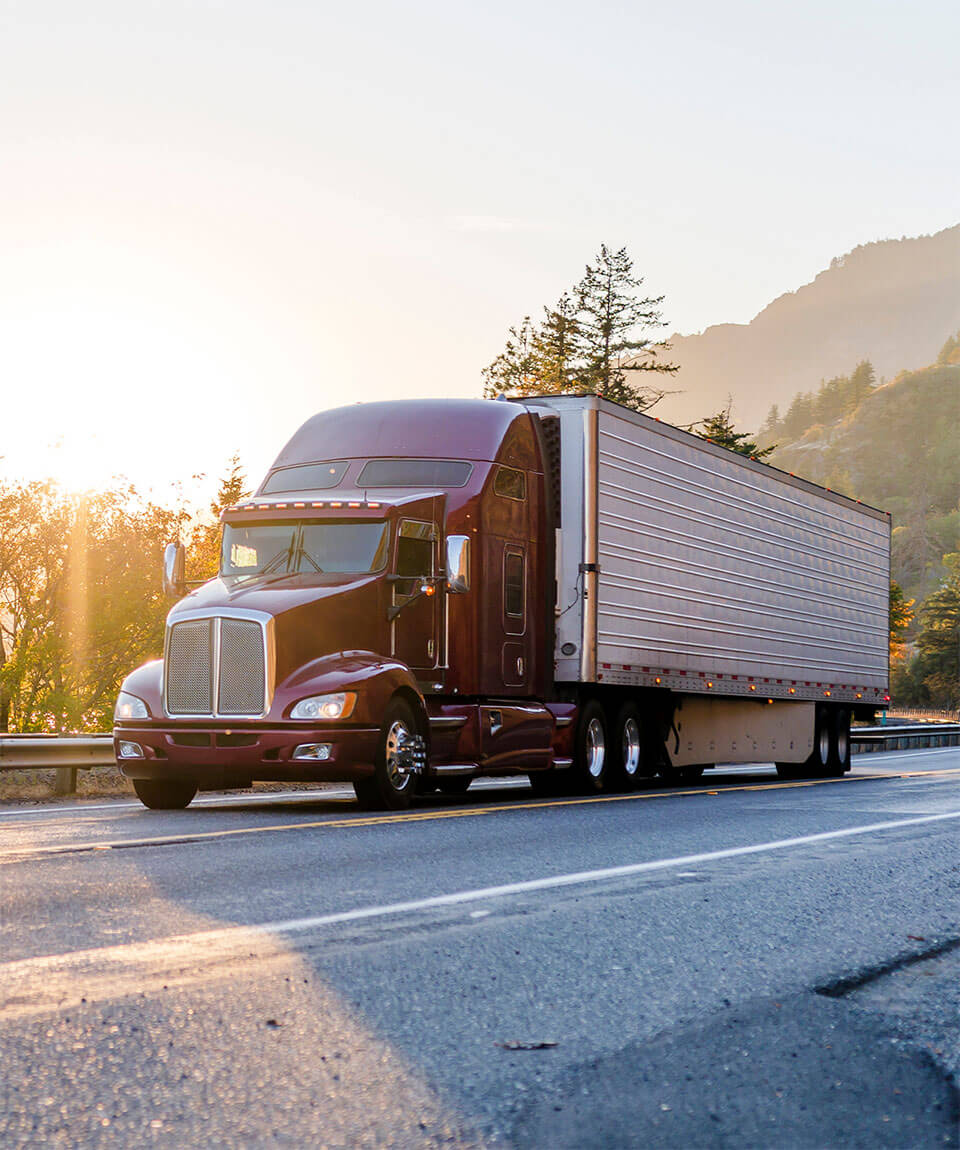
219, 666
242, 671
188, 668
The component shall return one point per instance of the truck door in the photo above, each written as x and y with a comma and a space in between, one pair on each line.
416, 628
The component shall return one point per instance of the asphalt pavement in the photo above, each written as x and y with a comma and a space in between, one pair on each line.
744, 963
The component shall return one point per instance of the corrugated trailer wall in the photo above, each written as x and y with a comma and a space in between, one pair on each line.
721, 575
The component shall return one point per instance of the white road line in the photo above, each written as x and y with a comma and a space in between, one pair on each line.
529, 886
298, 925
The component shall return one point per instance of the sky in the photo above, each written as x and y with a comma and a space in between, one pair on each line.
219, 218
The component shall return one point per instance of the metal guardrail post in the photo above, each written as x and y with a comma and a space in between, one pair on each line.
66, 781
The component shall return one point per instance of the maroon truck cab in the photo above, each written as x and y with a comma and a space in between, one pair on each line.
384, 614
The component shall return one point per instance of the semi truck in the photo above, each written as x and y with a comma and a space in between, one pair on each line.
423, 592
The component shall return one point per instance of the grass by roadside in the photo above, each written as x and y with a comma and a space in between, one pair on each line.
35, 786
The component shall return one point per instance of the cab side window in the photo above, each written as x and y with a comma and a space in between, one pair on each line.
415, 549
510, 483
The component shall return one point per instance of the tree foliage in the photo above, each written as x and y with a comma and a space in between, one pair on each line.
935, 671
834, 400
80, 597
719, 429
203, 552
597, 339
80, 602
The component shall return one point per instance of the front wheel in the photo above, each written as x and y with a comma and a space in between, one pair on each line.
164, 794
400, 759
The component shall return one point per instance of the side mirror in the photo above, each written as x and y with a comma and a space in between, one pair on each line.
174, 570
458, 564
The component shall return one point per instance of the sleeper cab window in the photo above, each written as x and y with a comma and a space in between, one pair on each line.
513, 584
510, 483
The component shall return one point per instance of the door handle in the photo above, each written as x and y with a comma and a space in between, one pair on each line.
520, 667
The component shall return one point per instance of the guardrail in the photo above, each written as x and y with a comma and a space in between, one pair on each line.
66, 753
69, 753
889, 738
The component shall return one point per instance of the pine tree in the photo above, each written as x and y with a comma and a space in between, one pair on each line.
950, 352
612, 322
558, 348
233, 487
516, 368
719, 429
862, 381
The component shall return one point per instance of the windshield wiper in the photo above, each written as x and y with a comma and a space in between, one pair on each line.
303, 553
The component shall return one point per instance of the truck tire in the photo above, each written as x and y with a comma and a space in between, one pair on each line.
591, 758
626, 750
165, 794
839, 743
393, 783
819, 763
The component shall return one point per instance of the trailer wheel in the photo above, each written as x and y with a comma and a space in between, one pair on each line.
839, 742
399, 760
626, 750
591, 758
165, 794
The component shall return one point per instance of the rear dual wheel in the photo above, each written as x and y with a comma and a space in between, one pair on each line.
830, 757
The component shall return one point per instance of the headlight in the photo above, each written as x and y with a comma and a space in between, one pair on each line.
338, 706
129, 707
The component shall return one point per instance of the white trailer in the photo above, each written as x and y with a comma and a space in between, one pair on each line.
748, 607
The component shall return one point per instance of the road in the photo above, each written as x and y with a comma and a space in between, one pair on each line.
741, 963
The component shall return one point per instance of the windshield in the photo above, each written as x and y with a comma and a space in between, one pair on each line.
294, 546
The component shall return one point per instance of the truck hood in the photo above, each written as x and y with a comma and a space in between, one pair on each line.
315, 615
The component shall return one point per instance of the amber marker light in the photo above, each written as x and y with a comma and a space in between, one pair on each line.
354, 504
827, 694
753, 686
709, 684
429, 590
336, 504
657, 680
793, 690
373, 504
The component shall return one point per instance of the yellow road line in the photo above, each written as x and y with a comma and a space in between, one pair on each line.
433, 816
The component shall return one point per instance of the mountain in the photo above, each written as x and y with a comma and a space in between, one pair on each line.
893, 302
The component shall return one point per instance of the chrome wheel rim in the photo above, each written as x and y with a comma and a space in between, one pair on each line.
631, 747
397, 775
823, 747
595, 748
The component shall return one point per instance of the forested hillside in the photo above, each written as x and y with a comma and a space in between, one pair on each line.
897, 447
893, 301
